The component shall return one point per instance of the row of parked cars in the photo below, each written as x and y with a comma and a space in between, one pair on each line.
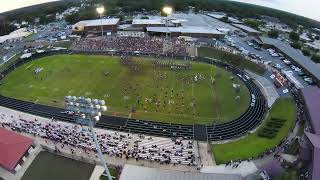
244, 51
299, 71
273, 53
294, 68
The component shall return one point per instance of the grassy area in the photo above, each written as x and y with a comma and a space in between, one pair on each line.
52, 167
253, 145
232, 59
9, 63
201, 95
113, 171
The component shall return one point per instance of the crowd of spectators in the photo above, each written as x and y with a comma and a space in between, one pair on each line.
147, 44
116, 144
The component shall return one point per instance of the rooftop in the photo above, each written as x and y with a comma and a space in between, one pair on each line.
184, 29
98, 22
12, 148
246, 28
20, 33
217, 15
144, 173
147, 21
315, 141
311, 97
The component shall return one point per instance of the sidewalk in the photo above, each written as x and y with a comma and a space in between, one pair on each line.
97, 172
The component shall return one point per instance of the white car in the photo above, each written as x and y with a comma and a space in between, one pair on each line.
272, 76
297, 69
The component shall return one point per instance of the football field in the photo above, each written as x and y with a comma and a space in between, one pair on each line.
151, 89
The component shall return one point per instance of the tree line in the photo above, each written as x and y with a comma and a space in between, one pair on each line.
125, 7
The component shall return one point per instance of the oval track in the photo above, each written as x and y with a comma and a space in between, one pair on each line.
216, 132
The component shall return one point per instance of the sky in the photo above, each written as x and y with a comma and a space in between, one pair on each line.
7, 5
307, 8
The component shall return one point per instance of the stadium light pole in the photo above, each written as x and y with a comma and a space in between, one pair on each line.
100, 10
88, 112
167, 10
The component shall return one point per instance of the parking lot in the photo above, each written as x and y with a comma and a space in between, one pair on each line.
267, 58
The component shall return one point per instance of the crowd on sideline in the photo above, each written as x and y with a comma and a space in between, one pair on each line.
122, 145
147, 44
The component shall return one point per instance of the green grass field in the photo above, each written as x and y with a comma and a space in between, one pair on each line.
52, 167
253, 145
201, 95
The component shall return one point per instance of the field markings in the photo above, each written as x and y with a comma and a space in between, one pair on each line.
214, 95
29, 66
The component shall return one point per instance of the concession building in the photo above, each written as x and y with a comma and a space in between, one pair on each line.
13, 149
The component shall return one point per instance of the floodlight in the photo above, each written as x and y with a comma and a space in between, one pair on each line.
167, 10
100, 10
88, 111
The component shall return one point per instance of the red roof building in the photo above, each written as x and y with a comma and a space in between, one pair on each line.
12, 148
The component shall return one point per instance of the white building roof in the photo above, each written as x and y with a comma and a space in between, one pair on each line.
185, 29
17, 34
148, 21
246, 28
98, 22
217, 15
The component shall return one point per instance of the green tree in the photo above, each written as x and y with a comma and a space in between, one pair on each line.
252, 23
47, 19
296, 45
306, 52
5, 28
294, 36
316, 58
273, 33
225, 19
